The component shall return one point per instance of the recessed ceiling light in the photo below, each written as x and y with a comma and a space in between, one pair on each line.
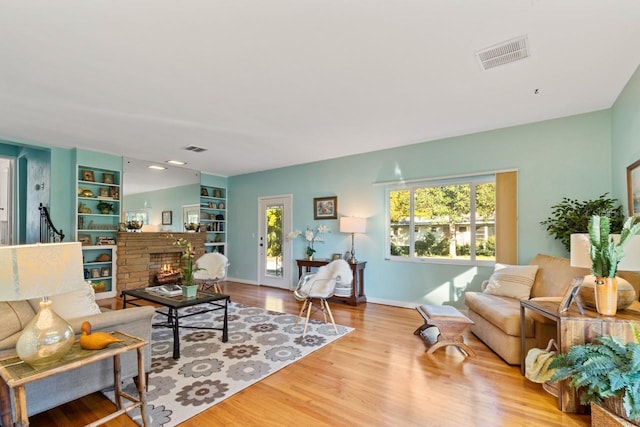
160, 168
176, 162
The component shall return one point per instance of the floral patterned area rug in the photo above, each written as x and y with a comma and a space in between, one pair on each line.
260, 343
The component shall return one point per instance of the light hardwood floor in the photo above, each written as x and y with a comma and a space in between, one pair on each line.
378, 375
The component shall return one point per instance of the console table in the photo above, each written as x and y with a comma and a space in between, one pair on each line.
573, 328
357, 286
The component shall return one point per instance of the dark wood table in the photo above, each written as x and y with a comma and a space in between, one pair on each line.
215, 301
357, 286
573, 328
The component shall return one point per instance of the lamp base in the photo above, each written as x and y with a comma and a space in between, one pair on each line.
46, 338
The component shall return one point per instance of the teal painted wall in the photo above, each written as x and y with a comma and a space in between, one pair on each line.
550, 158
625, 136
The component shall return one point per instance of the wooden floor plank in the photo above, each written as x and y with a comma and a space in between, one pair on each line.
378, 375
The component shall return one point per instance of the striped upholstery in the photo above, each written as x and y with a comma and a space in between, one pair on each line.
514, 281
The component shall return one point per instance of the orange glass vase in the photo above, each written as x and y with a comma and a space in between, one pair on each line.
606, 293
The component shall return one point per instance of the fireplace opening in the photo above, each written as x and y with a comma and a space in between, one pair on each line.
164, 268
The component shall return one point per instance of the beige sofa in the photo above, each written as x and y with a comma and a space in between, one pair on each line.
497, 318
54, 391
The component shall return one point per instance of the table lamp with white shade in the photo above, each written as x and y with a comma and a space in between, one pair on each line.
40, 271
350, 224
581, 258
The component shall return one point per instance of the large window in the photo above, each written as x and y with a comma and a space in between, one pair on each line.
445, 221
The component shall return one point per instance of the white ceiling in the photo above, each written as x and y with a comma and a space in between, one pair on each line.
265, 84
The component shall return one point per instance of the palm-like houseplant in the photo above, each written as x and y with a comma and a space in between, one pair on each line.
604, 371
605, 256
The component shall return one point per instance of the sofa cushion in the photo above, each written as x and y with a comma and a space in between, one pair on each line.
14, 316
514, 281
74, 304
502, 312
554, 277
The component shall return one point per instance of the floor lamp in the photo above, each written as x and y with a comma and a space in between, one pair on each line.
39, 271
350, 224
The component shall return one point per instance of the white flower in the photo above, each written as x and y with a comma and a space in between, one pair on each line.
293, 234
322, 229
308, 235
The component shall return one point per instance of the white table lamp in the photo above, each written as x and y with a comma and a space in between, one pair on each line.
39, 271
350, 224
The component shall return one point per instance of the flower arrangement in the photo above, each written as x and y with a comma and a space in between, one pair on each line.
186, 259
310, 237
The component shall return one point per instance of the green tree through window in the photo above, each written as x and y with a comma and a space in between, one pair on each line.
451, 221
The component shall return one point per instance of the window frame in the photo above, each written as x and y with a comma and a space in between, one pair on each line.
472, 181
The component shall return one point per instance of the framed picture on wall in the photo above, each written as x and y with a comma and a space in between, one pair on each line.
167, 217
325, 207
633, 188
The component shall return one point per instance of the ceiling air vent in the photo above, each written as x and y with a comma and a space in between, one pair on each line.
510, 51
195, 148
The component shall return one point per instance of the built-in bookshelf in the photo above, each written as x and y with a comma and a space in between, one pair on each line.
213, 217
97, 218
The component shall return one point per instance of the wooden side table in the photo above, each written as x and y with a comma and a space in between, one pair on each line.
573, 328
16, 375
357, 286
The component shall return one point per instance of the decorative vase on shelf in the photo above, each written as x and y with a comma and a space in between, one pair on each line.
606, 294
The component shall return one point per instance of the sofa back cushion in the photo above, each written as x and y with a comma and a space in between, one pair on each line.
14, 316
71, 305
554, 277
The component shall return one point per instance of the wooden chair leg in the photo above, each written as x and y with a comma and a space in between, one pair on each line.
326, 304
304, 305
310, 306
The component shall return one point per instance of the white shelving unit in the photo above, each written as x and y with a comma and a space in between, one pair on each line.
97, 225
213, 216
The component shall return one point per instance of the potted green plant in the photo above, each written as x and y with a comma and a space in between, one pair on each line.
189, 286
105, 207
605, 256
606, 372
572, 216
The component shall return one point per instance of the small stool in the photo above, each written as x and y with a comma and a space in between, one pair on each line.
449, 322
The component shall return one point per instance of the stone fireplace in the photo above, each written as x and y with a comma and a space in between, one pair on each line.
142, 255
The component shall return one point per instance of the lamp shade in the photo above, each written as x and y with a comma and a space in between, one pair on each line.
580, 252
34, 271
351, 224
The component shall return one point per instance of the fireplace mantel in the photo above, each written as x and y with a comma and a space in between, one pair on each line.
134, 253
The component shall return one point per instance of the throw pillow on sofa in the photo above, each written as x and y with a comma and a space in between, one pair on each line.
71, 305
514, 281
